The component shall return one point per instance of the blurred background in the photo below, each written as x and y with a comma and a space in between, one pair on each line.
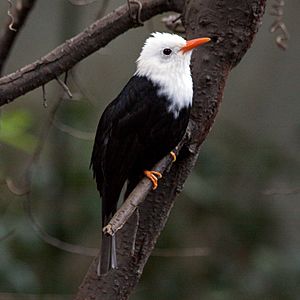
234, 231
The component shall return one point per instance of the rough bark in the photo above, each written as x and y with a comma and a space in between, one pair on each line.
232, 24
64, 57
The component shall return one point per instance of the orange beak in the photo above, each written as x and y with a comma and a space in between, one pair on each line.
191, 44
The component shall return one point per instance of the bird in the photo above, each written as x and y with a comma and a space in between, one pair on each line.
143, 124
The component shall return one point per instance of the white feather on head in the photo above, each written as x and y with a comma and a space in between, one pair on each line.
171, 73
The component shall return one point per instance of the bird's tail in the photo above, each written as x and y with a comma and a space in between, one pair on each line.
108, 255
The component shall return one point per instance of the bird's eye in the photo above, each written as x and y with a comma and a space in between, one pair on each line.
167, 51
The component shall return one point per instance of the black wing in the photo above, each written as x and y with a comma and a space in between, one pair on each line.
135, 131
117, 140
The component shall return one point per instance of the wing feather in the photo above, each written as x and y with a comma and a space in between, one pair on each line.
117, 139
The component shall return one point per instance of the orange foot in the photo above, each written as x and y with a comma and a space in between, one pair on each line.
153, 176
173, 156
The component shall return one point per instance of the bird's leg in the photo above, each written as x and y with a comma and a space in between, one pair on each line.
153, 176
173, 156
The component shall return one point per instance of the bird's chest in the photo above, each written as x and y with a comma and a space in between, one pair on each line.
163, 125
176, 89
161, 134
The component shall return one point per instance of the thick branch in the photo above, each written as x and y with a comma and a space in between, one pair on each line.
64, 57
234, 24
7, 35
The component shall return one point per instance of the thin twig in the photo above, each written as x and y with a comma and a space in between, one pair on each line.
137, 19
17, 17
12, 19
66, 77
45, 104
43, 137
84, 93
279, 25
65, 87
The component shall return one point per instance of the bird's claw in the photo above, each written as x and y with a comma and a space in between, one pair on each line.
173, 156
153, 176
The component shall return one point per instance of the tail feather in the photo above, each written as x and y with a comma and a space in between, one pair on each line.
108, 256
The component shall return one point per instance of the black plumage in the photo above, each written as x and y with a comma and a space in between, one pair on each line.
143, 124
135, 131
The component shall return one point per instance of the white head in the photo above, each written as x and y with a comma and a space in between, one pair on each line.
165, 60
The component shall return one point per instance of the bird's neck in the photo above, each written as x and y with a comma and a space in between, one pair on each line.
177, 87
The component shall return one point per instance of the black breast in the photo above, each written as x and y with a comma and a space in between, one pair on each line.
160, 131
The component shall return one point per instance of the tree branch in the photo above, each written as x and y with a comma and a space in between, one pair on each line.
64, 57
232, 25
7, 36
